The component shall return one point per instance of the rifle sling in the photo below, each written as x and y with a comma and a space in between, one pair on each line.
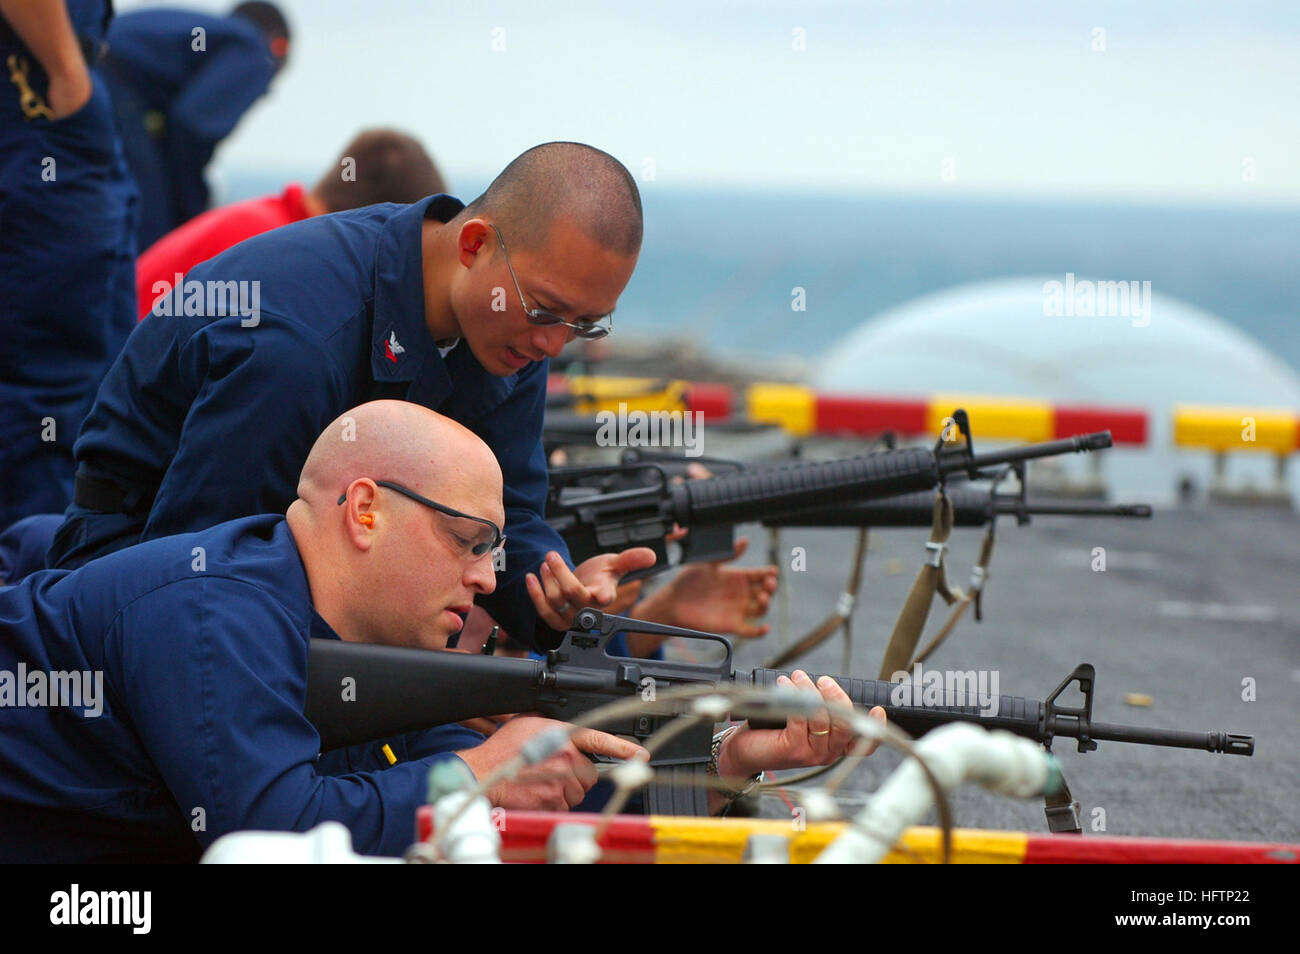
840, 618
930, 580
972, 595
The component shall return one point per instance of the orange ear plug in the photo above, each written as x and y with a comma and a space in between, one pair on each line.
366, 519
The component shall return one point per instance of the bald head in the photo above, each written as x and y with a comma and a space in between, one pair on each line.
383, 567
402, 442
567, 180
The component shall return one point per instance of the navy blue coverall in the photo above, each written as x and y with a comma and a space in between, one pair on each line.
67, 276
175, 103
196, 726
204, 419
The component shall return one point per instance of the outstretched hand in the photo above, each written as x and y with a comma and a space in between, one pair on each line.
558, 592
717, 598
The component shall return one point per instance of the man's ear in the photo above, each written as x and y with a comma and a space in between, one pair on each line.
360, 518
473, 239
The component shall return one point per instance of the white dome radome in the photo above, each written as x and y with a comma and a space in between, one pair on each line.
1013, 338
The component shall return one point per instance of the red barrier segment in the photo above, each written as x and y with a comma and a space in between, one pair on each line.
843, 414
1126, 427
715, 401
1076, 849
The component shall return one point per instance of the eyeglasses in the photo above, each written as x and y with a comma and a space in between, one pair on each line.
473, 542
583, 329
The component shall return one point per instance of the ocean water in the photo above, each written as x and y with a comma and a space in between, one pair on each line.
720, 267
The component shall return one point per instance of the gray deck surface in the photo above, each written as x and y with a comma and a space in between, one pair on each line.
1152, 623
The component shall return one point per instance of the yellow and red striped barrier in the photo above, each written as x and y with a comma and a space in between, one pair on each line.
803, 411
661, 839
1223, 429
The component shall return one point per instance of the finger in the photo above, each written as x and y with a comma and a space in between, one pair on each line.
841, 736
819, 723
747, 630
550, 585
796, 727
571, 589
634, 558
545, 611
583, 768
738, 551
697, 471
574, 790
676, 534
879, 714
602, 743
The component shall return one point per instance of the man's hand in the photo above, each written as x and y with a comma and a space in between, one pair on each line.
558, 592
556, 784
715, 598
818, 740
67, 93
46, 29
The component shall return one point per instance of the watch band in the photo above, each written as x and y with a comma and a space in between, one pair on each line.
729, 794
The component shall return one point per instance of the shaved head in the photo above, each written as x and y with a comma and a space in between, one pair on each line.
382, 567
564, 180
401, 442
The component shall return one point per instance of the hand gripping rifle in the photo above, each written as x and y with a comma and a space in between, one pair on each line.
593, 523
395, 691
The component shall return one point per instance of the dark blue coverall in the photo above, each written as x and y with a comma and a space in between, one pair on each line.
67, 276
204, 419
175, 103
197, 726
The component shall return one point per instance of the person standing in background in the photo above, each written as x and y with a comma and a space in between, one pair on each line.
180, 81
379, 165
67, 243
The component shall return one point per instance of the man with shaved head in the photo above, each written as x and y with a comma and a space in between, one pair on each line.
210, 411
172, 675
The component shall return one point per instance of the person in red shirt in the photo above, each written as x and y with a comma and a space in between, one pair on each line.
379, 165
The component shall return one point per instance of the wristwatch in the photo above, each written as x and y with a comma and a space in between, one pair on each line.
712, 769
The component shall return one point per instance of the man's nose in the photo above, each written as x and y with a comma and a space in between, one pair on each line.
481, 576
551, 341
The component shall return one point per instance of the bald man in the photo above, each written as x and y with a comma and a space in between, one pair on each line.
152, 701
211, 408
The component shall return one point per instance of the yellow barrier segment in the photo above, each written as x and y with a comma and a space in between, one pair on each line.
790, 406
994, 418
605, 393
681, 840
1235, 428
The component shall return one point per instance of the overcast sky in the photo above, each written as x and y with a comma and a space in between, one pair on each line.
1186, 100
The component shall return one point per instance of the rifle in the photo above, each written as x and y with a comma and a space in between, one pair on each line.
594, 522
395, 691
